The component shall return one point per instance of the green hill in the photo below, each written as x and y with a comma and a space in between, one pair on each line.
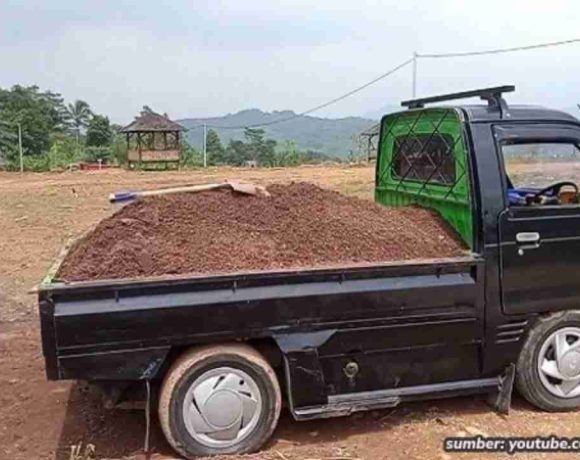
325, 135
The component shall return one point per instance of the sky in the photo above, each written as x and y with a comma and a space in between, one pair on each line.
208, 58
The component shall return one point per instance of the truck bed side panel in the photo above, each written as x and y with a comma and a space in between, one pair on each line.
373, 315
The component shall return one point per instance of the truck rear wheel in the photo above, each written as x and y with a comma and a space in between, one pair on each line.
548, 369
219, 399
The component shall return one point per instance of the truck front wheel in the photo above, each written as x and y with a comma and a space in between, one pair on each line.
219, 399
548, 369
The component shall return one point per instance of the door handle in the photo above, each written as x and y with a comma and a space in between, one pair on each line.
528, 237
527, 240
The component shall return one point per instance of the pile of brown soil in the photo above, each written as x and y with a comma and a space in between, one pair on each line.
299, 225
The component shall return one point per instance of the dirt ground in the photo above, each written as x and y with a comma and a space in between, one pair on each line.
42, 420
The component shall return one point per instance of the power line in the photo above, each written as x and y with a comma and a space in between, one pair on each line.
393, 70
499, 50
321, 106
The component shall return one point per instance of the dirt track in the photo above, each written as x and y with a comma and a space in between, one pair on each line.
40, 420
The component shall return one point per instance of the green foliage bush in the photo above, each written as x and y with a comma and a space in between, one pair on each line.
190, 157
93, 154
54, 137
99, 131
119, 148
256, 149
289, 155
63, 152
216, 153
36, 163
38, 113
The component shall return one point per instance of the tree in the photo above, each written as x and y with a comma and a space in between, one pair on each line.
255, 136
256, 148
216, 154
289, 155
190, 156
99, 131
58, 112
8, 139
236, 153
260, 150
39, 113
79, 114
62, 152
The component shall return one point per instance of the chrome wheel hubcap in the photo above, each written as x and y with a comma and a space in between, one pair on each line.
222, 407
559, 363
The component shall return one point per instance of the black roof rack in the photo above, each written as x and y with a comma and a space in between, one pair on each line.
492, 95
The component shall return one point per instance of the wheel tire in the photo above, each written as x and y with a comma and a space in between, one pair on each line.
198, 362
528, 380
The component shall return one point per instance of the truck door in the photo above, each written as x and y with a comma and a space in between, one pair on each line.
539, 229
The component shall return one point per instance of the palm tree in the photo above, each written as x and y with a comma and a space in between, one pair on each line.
79, 114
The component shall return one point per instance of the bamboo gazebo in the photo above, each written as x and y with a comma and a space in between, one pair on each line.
152, 140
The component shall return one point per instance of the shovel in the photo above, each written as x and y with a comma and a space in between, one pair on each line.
246, 189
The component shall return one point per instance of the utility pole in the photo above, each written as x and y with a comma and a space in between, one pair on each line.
20, 147
414, 74
204, 145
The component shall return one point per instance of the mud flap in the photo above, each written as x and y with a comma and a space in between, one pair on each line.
306, 384
502, 399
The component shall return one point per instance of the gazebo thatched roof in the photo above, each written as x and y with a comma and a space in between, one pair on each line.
149, 121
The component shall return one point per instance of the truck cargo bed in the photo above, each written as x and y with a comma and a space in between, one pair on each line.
123, 329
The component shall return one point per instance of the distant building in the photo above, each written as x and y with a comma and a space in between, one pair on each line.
153, 139
368, 142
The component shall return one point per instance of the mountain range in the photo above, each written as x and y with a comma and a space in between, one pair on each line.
331, 136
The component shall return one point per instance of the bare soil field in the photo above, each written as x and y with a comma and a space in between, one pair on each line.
42, 420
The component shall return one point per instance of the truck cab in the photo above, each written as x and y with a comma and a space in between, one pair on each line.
457, 160
221, 352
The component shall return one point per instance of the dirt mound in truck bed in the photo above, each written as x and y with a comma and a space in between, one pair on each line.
299, 225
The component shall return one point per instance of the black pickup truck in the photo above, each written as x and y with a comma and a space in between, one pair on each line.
219, 354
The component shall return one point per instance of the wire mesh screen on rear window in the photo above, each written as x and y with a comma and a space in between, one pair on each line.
425, 158
422, 159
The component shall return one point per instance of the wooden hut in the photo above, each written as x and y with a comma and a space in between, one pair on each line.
152, 140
